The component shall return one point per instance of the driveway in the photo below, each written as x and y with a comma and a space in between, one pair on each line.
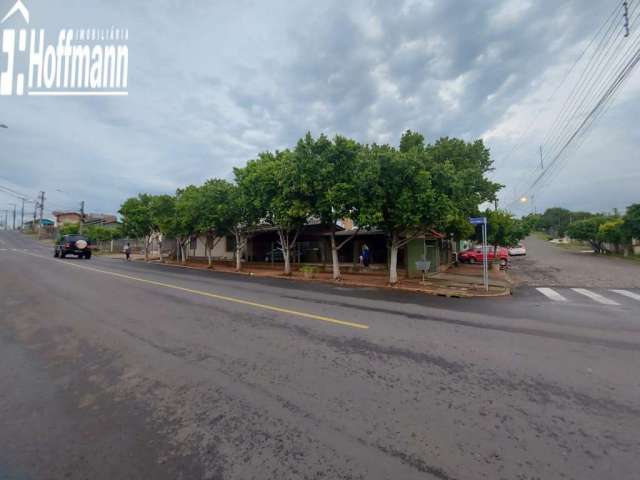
549, 265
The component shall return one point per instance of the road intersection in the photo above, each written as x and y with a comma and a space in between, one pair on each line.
192, 374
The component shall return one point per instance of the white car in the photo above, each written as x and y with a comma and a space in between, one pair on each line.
517, 250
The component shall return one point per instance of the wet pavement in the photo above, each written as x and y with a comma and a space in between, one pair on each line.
127, 370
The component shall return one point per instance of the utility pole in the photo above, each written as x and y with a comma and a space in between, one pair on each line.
541, 160
81, 215
41, 205
22, 216
6, 219
625, 15
14, 215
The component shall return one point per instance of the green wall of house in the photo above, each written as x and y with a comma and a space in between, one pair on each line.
416, 253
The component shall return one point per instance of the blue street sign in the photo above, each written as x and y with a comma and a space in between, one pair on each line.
478, 220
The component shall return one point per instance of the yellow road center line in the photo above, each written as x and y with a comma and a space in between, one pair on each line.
213, 295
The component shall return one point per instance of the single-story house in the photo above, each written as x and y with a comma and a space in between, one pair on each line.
313, 247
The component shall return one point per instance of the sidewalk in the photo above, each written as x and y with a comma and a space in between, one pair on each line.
462, 281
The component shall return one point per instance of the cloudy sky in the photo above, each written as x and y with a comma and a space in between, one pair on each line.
212, 83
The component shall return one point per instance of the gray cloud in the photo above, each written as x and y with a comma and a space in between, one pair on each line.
214, 83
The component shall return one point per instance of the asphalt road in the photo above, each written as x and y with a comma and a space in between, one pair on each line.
127, 370
551, 265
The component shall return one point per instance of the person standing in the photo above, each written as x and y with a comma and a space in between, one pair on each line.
127, 251
365, 255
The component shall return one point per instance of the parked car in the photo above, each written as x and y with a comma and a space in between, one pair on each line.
78, 245
517, 250
474, 255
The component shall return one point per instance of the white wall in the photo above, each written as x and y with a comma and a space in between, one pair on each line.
219, 252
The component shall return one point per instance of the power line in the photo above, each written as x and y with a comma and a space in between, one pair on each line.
588, 121
592, 90
567, 74
601, 78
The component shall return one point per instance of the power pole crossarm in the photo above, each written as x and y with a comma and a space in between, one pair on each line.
625, 14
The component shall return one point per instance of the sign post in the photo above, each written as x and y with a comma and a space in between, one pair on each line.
485, 258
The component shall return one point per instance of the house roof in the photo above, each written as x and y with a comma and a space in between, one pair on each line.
58, 213
430, 233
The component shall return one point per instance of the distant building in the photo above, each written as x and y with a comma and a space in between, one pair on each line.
45, 223
67, 218
73, 218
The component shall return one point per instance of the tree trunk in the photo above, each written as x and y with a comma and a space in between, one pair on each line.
209, 256
393, 261
183, 252
160, 251
238, 250
287, 260
286, 246
146, 248
334, 257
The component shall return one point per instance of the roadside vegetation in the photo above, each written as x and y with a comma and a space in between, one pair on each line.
405, 191
604, 233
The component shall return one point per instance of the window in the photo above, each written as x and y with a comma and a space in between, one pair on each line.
230, 242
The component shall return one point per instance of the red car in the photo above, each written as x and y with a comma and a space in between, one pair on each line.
474, 255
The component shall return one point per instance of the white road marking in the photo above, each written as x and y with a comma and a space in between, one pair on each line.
627, 293
595, 296
552, 294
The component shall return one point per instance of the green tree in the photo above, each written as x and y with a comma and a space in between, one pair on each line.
401, 198
613, 232
587, 231
68, 229
137, 221
241, 216
459, 171
225, 211
329, 174
188, 214
214, 221
99, 233
532, 221
410, 141
632, 221
272, 187
555, 221
503, 229
163, 219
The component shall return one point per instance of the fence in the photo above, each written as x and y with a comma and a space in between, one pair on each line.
136, 244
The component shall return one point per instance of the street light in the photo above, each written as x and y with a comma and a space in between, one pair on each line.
524, 199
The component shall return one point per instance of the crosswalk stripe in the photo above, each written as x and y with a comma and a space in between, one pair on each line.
627, 293
552, 294
595, 296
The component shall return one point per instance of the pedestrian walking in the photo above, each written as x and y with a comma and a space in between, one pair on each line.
127, 251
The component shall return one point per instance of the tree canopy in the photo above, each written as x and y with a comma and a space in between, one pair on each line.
405, 192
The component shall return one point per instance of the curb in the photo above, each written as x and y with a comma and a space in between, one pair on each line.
436, 293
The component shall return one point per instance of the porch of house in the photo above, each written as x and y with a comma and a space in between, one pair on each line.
313, 248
